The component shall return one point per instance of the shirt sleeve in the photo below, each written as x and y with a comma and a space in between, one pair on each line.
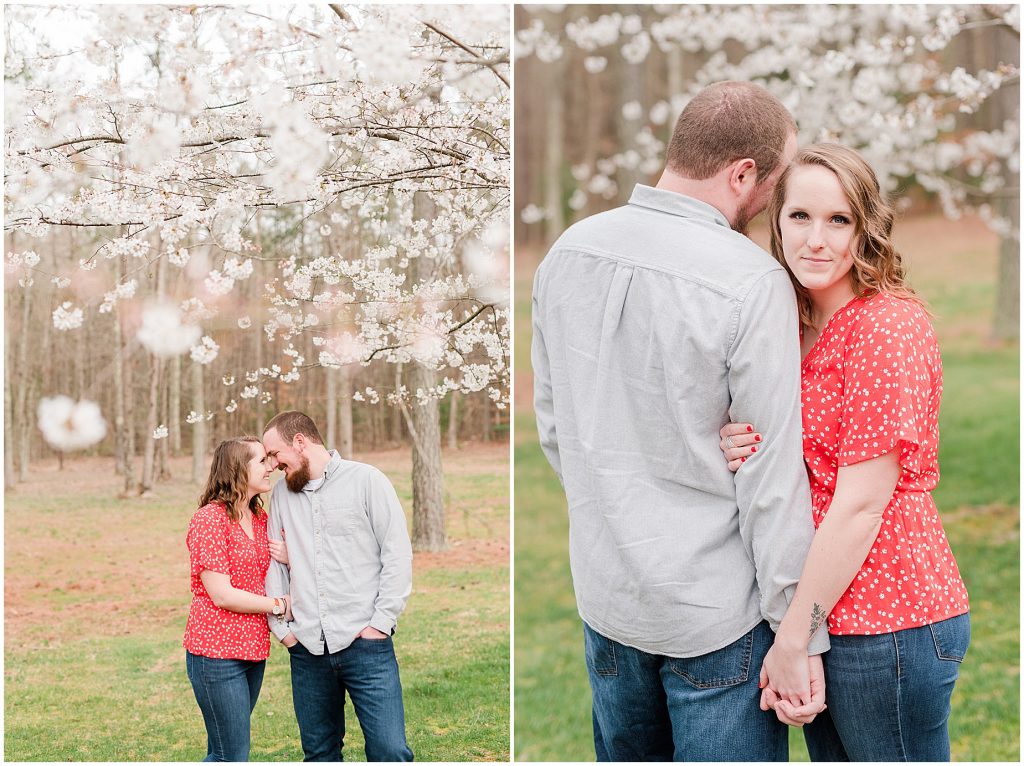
772, 490
207, 541
389, 528
543, 399
887, 382
278, 580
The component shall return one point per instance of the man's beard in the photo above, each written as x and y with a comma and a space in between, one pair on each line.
300, 477
743, 218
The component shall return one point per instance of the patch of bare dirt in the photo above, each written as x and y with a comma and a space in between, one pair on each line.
464, 554
78, 558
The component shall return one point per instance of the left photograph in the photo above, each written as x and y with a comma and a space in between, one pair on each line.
256, 383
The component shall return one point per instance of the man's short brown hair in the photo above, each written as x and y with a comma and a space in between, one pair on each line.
293, 422
725, 122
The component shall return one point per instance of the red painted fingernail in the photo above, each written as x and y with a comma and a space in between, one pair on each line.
753, 449
757, 437
743, 460
750, 429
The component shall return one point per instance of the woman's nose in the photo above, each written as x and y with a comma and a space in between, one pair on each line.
815, 238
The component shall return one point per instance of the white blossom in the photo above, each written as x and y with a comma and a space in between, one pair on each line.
160, 432
123, 291
205, 351
68, 425
163, 332
65, 317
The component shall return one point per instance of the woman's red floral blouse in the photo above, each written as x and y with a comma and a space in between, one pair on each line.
871, 384
219, 544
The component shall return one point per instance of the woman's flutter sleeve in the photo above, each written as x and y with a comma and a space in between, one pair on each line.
888, 382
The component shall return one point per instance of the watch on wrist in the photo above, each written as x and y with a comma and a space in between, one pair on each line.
278, 609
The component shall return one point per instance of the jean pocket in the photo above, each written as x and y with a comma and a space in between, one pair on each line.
600, 652
952, 637
727, 666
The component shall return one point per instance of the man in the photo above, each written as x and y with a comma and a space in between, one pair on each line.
349, 575
655, 324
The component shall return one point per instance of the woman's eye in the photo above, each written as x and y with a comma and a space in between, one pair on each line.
840, 219
798, 215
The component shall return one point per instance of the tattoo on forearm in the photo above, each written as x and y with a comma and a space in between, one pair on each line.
817, 618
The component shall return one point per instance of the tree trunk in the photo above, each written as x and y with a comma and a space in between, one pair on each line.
553, 151
198, 428
23, 418
174, 407
345, 441
153, 410
424, 425
1006, 323
122, 439
163, 450
149, 451
396, 427
453, 421
10, 478
331, 405
485, 420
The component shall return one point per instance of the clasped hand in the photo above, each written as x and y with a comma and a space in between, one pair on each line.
793, 685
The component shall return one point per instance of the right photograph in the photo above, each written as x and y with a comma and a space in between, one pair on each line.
767, 463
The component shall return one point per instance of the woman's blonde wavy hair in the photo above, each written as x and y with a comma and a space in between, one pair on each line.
877, 266
228, 482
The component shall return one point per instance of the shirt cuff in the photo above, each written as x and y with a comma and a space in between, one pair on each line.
383, 623
279, 628
819, 643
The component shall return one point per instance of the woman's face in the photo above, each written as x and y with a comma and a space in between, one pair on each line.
259, 469
817, 227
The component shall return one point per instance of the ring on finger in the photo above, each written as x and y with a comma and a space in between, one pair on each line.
729, 442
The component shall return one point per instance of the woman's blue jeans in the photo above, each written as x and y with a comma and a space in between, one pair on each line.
888, 695
226, 691
647, 707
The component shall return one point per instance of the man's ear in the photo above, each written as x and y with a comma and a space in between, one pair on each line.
300, 442
743, 176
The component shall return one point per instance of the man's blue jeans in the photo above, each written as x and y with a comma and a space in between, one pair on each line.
368, 671
647, 707
888, 695
226, 691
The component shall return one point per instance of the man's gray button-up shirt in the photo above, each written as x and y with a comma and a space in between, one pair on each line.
654, 325
350, 559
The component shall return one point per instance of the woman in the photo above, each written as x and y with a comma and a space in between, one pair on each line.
880, 565
226, 637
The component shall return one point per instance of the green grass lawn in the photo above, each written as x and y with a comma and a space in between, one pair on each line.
97, 595
978, 497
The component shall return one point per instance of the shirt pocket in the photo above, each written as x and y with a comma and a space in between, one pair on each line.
342, 519
348, 533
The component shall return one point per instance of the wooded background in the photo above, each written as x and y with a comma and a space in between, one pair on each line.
930, 95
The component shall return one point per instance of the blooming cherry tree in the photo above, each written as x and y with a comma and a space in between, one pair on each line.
195, 149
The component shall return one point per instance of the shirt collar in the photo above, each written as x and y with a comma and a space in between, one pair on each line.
673, 203
332, 465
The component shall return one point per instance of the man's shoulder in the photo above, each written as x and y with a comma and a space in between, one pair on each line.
357, 471
629, 232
